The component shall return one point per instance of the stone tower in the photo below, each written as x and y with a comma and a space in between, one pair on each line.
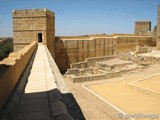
142, 27
158, 28
34, 25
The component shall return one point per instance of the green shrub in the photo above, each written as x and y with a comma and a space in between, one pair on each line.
6, 47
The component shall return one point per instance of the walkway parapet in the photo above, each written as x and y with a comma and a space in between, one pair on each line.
11, 70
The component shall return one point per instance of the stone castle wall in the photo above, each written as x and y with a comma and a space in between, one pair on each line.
50, 30
27, 24
142, 27
11, 70
154, 35
70, 51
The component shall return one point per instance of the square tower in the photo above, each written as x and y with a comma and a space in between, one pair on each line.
142, 27
158, 29
34, 25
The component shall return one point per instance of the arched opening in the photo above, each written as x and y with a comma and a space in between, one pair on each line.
39, 37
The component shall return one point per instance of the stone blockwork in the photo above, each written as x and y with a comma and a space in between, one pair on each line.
142, 27
34, 25
39, 25
63, 64
75, 49
99, 68
11, 70
148, 58
154, 35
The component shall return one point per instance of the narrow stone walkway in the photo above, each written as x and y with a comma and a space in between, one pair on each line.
34, 102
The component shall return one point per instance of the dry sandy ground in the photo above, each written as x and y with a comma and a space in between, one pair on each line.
126, 98
120, 94
93, 108
151, 83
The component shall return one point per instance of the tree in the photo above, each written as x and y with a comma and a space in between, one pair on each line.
6, 47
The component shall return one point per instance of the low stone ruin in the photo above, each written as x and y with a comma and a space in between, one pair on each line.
99, 68
148, 58
143, 49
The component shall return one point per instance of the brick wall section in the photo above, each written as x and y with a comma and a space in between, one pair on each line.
11, 69
28, 23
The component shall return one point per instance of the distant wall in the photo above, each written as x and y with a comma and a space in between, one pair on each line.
154, 35
142, 27
79, 50
11, 69
158, 29
74, 37
76, 49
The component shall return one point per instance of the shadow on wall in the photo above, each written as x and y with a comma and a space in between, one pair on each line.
11, 70
62, 59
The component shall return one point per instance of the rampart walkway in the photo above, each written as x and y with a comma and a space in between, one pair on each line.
37, 89
34, 102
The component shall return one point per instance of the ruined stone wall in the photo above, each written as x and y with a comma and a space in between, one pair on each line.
158, 28
70, 51
27, 24
142, 27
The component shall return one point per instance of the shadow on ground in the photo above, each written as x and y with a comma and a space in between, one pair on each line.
32, 107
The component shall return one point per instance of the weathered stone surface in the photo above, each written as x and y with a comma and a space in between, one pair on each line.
154, 36
148, 58
34, 25
158, 28
102, 68
75, 49
15, 67
142, 27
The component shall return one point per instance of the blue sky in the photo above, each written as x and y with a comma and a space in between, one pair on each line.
81, 17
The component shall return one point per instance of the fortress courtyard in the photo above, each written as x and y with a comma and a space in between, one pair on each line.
132, 93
